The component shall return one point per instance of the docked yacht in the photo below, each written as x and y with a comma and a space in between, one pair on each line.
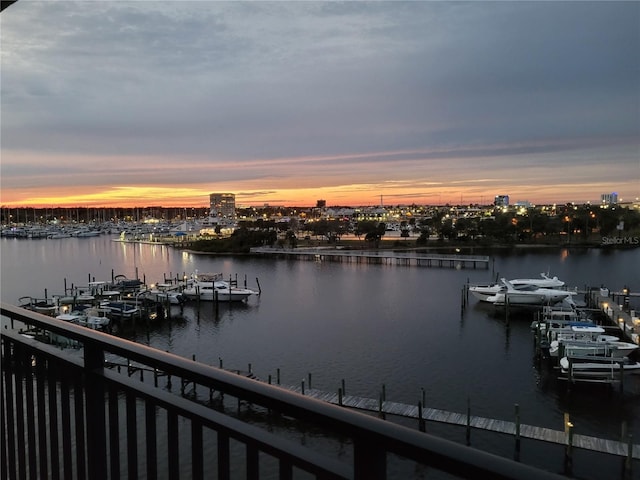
529, 295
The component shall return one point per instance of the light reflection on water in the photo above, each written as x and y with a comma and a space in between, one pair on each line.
367, 324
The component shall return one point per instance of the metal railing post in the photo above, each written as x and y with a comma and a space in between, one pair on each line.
369, 460
95, 407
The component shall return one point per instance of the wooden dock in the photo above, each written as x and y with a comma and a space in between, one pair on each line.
381, 407
383, 257
517, 430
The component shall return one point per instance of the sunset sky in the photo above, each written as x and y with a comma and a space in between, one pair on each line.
161, 103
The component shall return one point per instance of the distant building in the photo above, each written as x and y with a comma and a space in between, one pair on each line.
321, 203
222, 205
501, 201
609, 198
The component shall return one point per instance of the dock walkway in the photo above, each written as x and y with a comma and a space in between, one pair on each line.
388, 257
548, 435
618, 313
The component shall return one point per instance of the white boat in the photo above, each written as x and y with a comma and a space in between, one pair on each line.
482, 292
578, 331
120, 309
96, 318
211, 287
58, 235
46, 306
164, 292
612, 348
597, 367
588, 340
529, 295
85, 232
91, 317
554, 318
69, 317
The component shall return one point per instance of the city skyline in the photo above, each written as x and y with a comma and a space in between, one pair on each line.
285, 103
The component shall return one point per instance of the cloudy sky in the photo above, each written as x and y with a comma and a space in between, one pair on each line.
161, 103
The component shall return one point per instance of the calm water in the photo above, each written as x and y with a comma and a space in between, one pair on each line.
367, 324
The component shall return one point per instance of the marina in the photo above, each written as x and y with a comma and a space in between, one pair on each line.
370, 324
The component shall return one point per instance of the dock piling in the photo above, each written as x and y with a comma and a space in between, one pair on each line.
629, 459
517, 453
468, 434
568, 455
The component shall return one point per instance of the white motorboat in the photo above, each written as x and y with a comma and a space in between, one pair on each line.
588, 340
91, 317
612, 348
164, 292
578, 331
211, 287
58, 235
46, 306
529, 295
120, 309
482, 292
70, 317
555, 318
597, 367
96, 318
85, 232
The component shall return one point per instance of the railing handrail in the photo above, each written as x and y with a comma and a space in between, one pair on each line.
389, 437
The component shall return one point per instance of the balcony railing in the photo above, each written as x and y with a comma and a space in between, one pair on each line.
65, 414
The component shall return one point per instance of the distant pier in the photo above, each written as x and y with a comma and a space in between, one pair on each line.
382, 257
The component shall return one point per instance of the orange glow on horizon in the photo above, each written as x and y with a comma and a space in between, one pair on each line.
348, 195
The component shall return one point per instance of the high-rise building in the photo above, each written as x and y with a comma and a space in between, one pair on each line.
222, 205
609, 198
501, 201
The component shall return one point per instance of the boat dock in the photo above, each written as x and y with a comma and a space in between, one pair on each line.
567, 438
616, 318
516, 429
615, 305
383, 257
